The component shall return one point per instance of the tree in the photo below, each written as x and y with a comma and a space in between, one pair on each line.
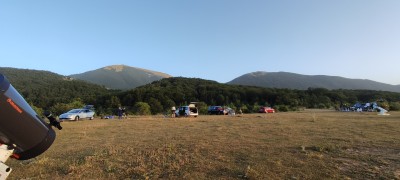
60, 108
244, 108
168, 104
394, 106
142, 108
203, 108
114, 102
155, 106
76, 103
255, 108
38, 110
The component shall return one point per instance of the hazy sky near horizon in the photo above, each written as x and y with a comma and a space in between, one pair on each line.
210, 39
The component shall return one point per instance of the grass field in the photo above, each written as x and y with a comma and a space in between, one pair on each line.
310, 144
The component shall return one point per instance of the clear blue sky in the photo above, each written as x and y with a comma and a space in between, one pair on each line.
210, 39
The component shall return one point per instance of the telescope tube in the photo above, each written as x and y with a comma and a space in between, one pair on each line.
20, 126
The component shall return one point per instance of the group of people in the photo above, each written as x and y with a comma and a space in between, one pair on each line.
121, 113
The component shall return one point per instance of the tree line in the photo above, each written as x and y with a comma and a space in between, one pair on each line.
161, 95
49, 91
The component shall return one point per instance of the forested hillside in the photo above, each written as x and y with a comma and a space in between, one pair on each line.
303, 82
45, 89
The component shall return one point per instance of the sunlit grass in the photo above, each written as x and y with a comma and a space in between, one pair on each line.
295, 145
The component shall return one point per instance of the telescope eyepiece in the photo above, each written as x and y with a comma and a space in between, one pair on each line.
53, 120
47, 114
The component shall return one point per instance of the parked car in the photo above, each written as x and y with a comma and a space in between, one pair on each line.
218, 110
187, 111
266, 110
77, 114
229, 111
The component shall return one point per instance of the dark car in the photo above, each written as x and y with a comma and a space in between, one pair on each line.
218, 110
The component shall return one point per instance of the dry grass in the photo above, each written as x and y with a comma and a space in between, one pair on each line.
296, 145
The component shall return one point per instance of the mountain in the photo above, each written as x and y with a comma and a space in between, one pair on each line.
298, 81
120, 76
44, 89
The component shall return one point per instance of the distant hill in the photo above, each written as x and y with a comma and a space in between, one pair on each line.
44, 88
298, 81
120, 76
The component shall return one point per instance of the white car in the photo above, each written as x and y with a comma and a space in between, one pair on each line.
76, 114
186, 111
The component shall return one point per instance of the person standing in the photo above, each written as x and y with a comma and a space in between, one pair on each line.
119, 112
173, 109
124, 115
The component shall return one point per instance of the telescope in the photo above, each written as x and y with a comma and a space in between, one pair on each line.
23, 133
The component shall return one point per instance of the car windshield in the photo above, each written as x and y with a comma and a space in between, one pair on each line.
214, 107
183, 108
74, 111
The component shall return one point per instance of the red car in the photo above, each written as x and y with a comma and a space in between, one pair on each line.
266, 110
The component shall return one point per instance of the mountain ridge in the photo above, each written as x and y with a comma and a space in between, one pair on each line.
124, 77
120, 76
301, 82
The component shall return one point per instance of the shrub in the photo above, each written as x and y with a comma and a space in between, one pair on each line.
142, 108
244, 109
394, 106
60, 108
256, 107
203, 108
321, 106
282, 108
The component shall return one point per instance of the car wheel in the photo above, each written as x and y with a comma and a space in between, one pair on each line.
91, 118
76, 118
